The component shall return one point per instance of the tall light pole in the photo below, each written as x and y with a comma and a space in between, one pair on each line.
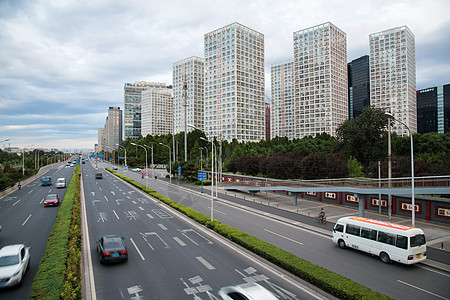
185, 122
146, 169
212, 177
170, 163
125, 153
23, 160
413, 209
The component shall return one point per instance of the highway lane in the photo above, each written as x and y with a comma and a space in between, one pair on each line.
170, 257
24, 219
298, 235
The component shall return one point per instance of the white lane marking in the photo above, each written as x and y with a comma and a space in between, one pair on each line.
141, 208
112, 192
93, 194
205, 263
105, 198
137, 249
134, 202
420, 289
220, 212
100, 189
162, 226
285, 237
16, 202
30, 192
431, 270
150, 216
116, 214
179, 241
26, 220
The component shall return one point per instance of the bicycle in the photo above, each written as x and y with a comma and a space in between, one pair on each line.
321, 219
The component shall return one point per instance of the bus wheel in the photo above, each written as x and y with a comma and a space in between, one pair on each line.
385, 257
341, 244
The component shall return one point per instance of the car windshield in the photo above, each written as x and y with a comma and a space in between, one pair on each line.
9, 260
418, 240
112, 244
51, 197
61, 180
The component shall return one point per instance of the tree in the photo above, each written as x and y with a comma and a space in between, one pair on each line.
364, 137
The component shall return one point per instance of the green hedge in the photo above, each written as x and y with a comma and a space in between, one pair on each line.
331, 282
58, 262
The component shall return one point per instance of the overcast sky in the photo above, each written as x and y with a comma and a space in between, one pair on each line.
64, 62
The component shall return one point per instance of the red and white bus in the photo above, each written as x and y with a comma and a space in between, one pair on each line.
389, 241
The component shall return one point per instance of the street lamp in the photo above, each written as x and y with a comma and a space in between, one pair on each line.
212, 177
413, 209
170, 163
146, 169
125, 153
23, 160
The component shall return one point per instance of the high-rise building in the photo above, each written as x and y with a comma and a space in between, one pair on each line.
282, 100
320, 80
101, 140
132, 107
393, 76
157, 108
267, 113
113, 128
358, 86
189, 89
433, 109
234, 83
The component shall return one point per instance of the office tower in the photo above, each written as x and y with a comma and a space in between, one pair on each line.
101, 140
393, 76
113, 128
358, 86
282, 100
132, 107
320, 80
189, 89
157, 110
433, 109
267, 114
234, 83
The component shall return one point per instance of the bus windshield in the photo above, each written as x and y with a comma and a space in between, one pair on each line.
417, 240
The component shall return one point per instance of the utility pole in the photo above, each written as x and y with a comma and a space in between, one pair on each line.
185, 121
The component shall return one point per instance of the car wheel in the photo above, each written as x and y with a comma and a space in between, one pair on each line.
341, 244
384, 257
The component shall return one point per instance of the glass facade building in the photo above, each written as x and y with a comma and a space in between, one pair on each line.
282, 99
358, 86
433, 109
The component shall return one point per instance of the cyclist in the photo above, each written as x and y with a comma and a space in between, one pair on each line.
321, 214
19, 185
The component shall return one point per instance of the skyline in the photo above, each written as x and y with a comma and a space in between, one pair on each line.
65, 63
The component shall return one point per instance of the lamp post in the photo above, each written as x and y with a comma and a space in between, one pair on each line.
212, 177
125, 153
413, 209
23, 160
146, 169
170, 163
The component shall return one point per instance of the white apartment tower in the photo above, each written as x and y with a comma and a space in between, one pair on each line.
188, 93
392, 63
132, 107
157, 106
234, 84
320, 80
113, 128
282, 100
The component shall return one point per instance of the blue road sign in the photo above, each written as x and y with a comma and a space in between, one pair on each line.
179, 170
201, 176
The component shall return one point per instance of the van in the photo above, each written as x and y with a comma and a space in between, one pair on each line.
61, 183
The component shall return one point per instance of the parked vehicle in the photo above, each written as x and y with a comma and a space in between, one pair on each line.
61, 183
51, 200
112, 248
46, 180
14, 262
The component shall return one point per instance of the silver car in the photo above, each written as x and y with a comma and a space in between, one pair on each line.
250, 291
14, 262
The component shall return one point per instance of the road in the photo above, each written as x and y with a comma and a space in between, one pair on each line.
170, 256
24, 219
299, 235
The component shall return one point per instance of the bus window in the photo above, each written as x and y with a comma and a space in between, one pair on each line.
402, 242
417, 240
386, 238
370, 234
353, 229
339, 228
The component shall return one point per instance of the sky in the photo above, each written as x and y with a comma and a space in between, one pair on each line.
64, 62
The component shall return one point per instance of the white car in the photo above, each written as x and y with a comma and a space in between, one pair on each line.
61, 183
136, 170
251, 291
14, 262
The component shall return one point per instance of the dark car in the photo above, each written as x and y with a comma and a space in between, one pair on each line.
51, 200
112, 248
98, 176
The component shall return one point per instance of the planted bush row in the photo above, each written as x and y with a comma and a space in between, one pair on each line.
59, 274
331, 282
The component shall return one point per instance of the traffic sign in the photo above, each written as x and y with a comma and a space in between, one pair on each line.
179, 170
201, 176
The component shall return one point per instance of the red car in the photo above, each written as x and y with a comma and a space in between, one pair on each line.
51, 200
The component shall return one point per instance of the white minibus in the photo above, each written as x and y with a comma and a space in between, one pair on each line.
389, 241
